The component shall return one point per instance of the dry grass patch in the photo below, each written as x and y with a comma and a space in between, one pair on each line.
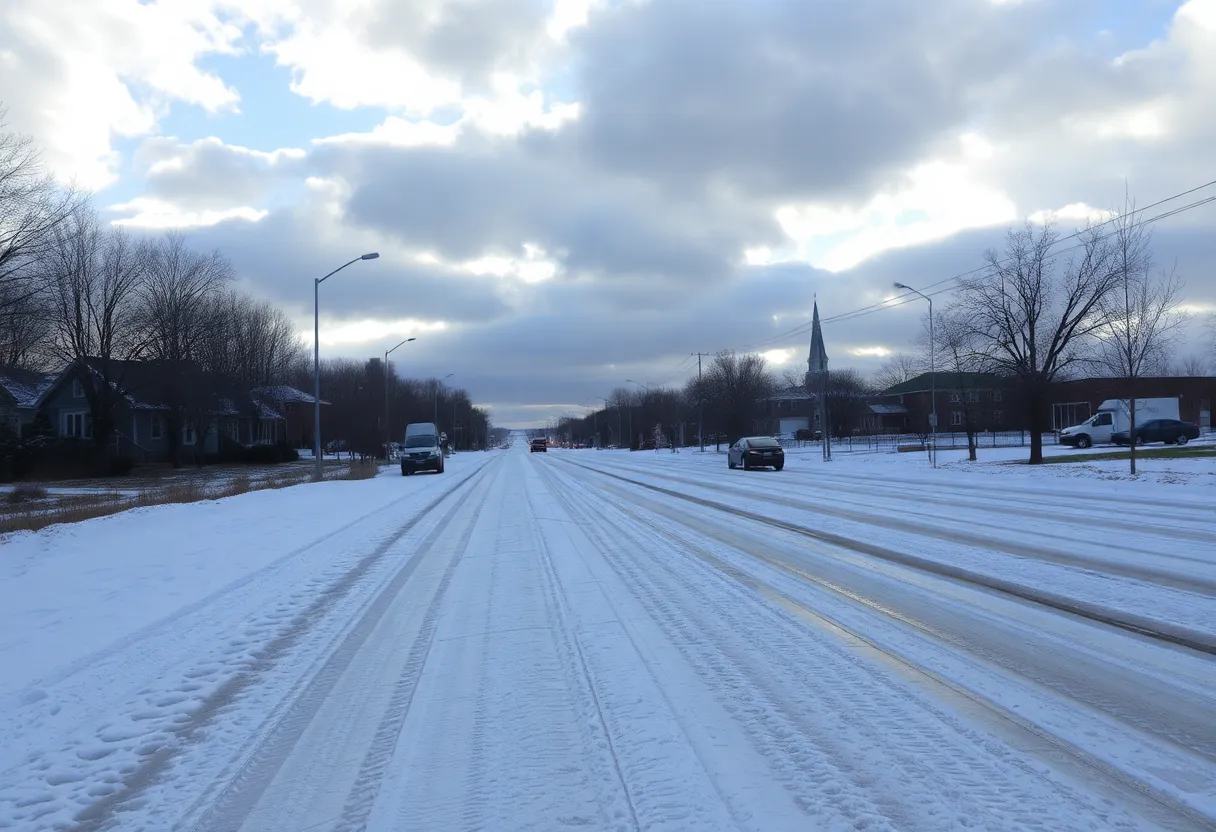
364, 470
33, 514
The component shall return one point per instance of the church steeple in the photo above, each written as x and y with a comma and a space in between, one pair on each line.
817, 360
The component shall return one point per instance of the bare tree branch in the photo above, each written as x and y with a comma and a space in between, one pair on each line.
1030, 317
1140, 319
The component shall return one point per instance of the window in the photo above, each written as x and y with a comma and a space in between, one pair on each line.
956, 417
233, 430
973, 395
1101, 419
996, 395
77, 389
266, 432
955, 398
188, 435
78, 425
158, 426
998, 417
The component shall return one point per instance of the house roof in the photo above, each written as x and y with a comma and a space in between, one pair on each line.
26, 387
284, 393
797, 393
266, 413
923, 383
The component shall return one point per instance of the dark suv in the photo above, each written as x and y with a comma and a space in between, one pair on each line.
541, 445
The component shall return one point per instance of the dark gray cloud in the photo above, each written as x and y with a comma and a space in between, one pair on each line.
282, 255
786, 98
210, 174
496, 197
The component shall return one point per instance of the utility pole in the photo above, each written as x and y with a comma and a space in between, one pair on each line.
825, 416
700, 403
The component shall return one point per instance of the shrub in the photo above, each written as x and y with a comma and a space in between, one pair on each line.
25, 494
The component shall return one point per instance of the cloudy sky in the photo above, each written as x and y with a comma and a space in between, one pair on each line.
566, 194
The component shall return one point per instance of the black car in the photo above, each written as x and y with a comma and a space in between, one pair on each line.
756, 452
541, 445
1169, 431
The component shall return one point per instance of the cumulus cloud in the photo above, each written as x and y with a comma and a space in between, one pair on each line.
93, 71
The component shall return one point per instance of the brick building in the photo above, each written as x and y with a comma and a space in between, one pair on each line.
1072, 402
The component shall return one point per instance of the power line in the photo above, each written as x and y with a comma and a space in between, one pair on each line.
909, 297
948, 283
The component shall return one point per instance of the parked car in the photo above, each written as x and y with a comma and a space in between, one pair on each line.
541, 445
756, 452
422, 451
1169, 431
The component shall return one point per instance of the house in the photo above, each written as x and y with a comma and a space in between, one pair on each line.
208, 411
296, 409
21, 395
986, 401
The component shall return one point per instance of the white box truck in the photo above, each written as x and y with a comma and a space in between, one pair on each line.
1113, 416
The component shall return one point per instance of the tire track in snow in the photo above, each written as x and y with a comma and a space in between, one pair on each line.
558, 610
1165, 797
1154, 629
380, 753
164, 624
498, 737
935, 529
667, 785
826, 778
241, 794
182, 735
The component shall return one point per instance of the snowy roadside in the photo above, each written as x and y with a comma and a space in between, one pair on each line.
123, 632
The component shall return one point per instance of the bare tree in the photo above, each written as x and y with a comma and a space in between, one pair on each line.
93, 276
32, 206
734, 387
1030, 316
248, 340
23, 328
1195, 364
1141, 317
897, 369
178, 287
846, 392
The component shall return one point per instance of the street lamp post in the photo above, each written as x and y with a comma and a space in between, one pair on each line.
388, 436
932, 371
437, 386
316, 361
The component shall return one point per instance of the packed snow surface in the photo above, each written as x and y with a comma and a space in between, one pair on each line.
622, 641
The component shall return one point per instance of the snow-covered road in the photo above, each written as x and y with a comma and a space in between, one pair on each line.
617, 641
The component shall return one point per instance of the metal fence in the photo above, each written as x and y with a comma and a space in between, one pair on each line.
945, 441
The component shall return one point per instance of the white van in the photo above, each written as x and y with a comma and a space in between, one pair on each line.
1113, 417
422, 450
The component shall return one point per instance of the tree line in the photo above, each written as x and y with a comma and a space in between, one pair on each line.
78, 292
